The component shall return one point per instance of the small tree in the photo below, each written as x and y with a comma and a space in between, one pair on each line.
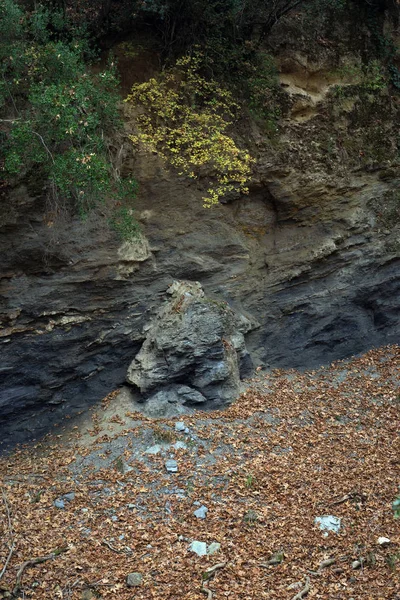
185, 118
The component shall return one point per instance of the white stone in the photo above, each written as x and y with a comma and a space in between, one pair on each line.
199, 548
153, 449
328, 523
383, 541
171, 466
180, 445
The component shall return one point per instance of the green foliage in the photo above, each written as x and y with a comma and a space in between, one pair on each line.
123, 222
250, 481
370, 77
263, 91
61, 114
185, 117
251, 517
383, 44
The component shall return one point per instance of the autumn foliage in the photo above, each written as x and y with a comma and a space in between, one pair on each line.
185, 118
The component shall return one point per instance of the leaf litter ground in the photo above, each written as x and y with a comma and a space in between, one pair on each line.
293, 447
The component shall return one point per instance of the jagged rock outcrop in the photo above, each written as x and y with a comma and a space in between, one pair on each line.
195, 343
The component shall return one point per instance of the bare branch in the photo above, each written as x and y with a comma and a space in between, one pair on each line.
4, 569
207, 576
44, 144
31, 563
10, 532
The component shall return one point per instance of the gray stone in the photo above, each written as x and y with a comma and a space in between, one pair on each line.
195, 338
86, 532
180, 445
180, 426
201, 512
156, 449
213, 548
125, 468
164, 404
329, 523
199, 548
134, 580
59, 503
189, 396
68, 497
171, 466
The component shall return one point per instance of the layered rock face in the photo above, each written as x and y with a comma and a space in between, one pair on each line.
311, 255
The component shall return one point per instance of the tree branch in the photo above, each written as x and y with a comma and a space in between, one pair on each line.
44, 144
31, 563
10, 532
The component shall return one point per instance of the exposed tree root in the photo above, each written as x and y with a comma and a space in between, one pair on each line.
304, 591
206, 578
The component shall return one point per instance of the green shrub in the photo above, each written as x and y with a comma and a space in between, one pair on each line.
59, 114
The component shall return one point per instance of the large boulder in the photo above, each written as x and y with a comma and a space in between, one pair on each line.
195, 342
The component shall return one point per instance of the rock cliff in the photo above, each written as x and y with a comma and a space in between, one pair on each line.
311, 255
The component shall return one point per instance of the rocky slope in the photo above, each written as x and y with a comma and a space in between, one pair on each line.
293, 483
311, 254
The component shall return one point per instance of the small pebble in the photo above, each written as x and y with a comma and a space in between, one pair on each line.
171, 466
201, 512
68, 497
180, 426
134, 579
59, 503
213, 548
